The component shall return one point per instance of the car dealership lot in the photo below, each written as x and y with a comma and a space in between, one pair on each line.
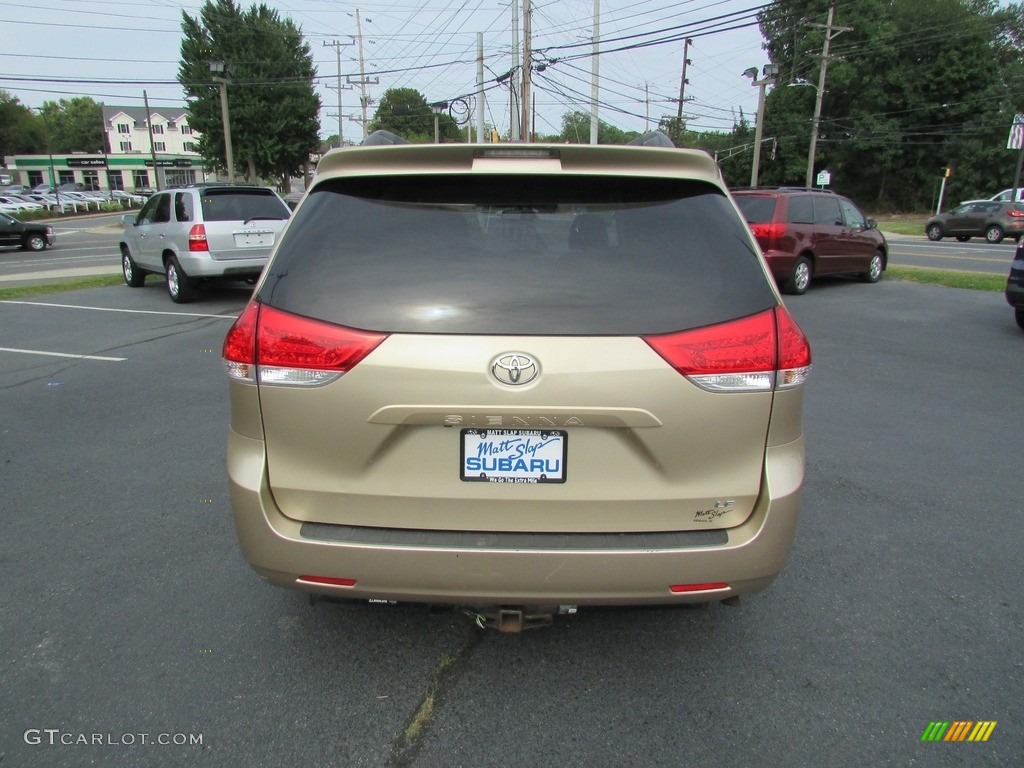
128, 610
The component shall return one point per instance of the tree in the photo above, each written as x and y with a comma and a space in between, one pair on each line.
274, 110
21, 131
404, 111
576, 130
901, 100
75, 125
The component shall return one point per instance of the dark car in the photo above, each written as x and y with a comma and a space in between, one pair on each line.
26, 234
805, 233
987, 219
1015, 286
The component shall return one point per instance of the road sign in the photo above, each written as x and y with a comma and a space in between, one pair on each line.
1016, 137
824, 178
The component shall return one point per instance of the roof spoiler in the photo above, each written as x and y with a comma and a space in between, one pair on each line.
383, 138
652, 139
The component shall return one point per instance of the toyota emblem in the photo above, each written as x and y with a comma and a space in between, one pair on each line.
514, 368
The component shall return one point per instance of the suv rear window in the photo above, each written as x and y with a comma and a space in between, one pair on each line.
242, 205
517, 255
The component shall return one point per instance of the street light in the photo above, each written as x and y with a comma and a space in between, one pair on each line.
220, 68
769, 71
814, 127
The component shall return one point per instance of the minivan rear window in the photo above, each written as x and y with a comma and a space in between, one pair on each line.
517, 255
757, 209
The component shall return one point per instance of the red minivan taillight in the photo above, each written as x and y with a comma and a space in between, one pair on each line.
767, 234
275, 347
753, 354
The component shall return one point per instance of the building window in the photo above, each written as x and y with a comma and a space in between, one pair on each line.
115, 180
91, 180
170, 125
159, 146
65, 177
123, 128
187, 130
140, 178
189, 146
158, 128
126, 146
35, 178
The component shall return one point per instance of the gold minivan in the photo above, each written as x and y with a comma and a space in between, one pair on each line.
520, 376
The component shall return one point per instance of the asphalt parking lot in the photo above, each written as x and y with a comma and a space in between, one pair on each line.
129, 615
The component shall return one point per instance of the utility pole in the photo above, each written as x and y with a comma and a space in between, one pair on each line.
527, 67
152, 149
480, 103
341, 112
594, 82
363, 80
682, 89
515, 132
830, 32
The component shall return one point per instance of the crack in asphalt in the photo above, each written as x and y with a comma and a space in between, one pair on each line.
407, 744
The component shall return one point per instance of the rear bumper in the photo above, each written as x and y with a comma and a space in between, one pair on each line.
445, 567
1015, 284
202, 264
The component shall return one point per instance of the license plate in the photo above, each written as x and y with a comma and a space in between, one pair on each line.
514, 455
255, 239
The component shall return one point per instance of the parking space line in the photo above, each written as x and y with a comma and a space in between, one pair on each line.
110, 309
64, 354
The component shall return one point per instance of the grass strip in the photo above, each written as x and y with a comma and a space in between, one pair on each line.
41, 289
950, 278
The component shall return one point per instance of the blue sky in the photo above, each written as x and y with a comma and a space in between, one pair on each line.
112, 51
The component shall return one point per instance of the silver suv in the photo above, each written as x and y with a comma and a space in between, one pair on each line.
201, 232
524, 376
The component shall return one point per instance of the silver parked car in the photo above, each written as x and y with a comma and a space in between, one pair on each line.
201, 232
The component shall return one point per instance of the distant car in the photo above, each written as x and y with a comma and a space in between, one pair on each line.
1000, 197
29, 235
11, 204
42, 189
805, 233
993, 221
16, 189
293, 199
1015, 286
201, 232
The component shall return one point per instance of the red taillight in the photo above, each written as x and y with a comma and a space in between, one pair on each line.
767, 233
290, 341
240, 343
755, 353
281, 348
197, 238
1016, 212
683, 588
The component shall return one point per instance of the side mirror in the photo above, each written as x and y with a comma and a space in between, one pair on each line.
871, 224
128, 219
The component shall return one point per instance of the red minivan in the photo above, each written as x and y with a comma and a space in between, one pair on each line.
807, 232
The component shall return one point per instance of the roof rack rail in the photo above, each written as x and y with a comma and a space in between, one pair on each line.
782, 188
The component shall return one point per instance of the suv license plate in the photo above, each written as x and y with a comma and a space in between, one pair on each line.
258, 239
514, 455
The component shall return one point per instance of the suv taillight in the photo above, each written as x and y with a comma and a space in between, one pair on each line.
753, 354
767, 233
197, 238
274, 347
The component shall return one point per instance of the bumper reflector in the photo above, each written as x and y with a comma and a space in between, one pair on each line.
709, 587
